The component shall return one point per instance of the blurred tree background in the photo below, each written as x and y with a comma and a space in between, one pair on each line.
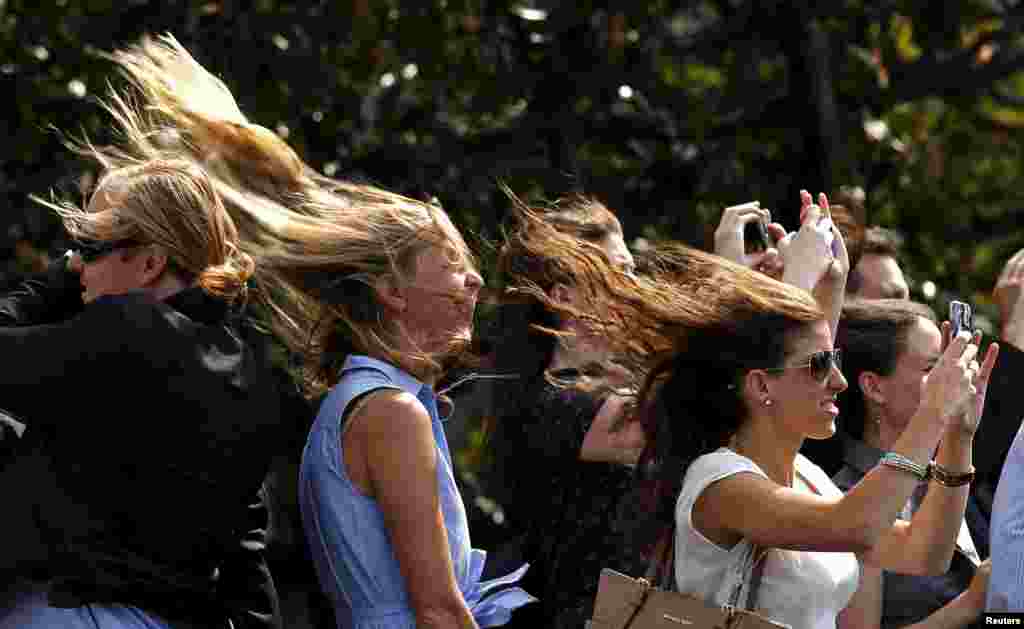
666, 110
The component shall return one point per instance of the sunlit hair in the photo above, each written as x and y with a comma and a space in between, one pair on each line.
873, 335
171, 204
319, 244
526, 331
693, 325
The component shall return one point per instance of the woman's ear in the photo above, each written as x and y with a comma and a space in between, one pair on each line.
757, 388
152, 266
390, 294
871, 386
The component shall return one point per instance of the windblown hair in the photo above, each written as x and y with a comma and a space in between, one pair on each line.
172, 204
319, 244
873, 335
693, 326
533, 257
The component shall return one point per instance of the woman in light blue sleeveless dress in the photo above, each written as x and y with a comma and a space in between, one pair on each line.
385, 523
347, 533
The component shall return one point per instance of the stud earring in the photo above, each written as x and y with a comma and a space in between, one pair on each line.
768, 402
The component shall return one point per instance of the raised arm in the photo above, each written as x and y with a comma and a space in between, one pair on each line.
397, 444
810, 262
925, 545
746, 505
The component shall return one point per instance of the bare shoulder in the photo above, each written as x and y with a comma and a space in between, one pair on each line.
390, 414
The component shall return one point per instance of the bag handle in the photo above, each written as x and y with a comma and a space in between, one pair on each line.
755, 571
661, 570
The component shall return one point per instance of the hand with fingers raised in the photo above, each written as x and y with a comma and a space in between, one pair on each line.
816, 252
979, 374
731, 243
952, 390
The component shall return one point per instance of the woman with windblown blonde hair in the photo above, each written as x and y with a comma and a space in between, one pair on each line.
377, 293
149, 301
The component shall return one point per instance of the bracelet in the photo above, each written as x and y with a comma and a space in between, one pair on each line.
904, 464
946, 478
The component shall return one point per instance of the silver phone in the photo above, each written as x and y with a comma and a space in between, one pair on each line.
961, 317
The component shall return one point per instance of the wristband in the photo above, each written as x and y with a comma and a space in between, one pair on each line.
904, 464
946, 478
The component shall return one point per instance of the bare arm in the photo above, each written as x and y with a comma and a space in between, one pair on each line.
925, 545
865, 608
395, 437
749, 506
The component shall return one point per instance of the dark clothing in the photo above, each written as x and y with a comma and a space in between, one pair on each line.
909, 599
565, 507
157, 423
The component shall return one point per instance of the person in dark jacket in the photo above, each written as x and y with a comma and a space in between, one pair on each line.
153, 417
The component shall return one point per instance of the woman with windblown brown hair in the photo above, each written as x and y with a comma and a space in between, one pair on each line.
731, 394
150, 301
376, 292
562, 504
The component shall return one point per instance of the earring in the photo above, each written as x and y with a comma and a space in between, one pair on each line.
767, 401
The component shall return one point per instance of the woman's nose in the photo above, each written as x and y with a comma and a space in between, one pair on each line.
837, 380
474, 281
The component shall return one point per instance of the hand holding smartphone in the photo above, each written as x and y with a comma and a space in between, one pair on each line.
961, 318
755, 232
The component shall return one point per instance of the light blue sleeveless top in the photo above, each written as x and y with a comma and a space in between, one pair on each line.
347, 536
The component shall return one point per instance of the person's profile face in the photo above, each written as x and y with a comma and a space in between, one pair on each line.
442, 291
881, 278
115, 272
903, 386
807, 403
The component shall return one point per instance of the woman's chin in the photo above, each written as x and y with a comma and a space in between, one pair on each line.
828, 432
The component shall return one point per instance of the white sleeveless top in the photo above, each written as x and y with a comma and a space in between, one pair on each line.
804, 589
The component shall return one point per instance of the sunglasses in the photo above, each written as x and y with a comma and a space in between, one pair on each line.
92, 250
819, 364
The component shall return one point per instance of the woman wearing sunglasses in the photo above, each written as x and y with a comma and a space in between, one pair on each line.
147, 518
737, 382
732, 410
891, 348
376, 294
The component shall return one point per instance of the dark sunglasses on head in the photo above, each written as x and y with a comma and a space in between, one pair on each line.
819, 364
92, 250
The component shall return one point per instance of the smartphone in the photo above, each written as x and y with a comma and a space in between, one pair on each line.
961, 317
755, 233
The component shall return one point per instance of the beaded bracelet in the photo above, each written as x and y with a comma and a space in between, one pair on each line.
946, 478
904, 464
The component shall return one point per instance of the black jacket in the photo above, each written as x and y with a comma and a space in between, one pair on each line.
158, 424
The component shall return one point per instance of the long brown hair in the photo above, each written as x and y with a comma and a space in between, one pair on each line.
532, 257
693, 329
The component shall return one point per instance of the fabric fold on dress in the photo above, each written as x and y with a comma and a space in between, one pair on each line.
493, 601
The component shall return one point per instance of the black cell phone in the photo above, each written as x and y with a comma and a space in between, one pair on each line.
755, 233
961, 317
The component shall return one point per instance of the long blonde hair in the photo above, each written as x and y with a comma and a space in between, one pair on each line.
318, 243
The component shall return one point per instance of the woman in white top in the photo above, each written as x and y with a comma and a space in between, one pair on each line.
727, 412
